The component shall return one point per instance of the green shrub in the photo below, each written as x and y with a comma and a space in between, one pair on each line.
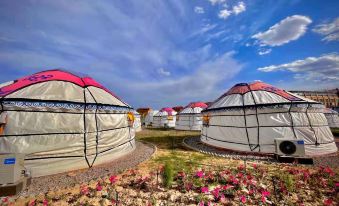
168, 174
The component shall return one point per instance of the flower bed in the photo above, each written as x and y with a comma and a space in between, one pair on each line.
250, 184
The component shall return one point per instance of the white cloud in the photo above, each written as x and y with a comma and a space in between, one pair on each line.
163, 72
224, 14
214, 2
329, 30
288, 29
264, 51
237, 9
199, 10
323, 68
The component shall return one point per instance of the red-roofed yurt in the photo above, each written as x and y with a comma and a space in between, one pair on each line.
164, 118
63, 122
190, 117
251, 117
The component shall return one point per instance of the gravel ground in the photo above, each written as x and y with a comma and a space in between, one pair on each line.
194, 143
39, 185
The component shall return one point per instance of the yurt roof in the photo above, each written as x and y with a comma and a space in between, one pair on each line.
169, 110
193, 108
196, 104
178, 108
52, 75
256, 93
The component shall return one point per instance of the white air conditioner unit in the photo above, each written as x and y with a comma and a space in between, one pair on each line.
11, 168
290, 147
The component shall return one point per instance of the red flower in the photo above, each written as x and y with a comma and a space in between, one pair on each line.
242, 198
336, 184
98, 187
45, 202
328, 202
113, 179
264, 194
204, 189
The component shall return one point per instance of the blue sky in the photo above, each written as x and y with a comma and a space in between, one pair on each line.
167, 53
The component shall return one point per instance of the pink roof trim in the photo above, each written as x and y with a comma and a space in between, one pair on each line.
51, 75
169, 110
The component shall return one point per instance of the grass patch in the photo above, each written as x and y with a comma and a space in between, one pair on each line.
168, 174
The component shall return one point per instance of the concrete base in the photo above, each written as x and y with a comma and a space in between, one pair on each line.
15, 188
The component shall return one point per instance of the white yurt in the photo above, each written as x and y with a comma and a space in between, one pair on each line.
249, 117
332, 118
149, 117
137, 121
62, 122
165, 118
190, 117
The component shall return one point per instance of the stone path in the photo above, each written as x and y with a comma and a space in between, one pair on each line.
43, 184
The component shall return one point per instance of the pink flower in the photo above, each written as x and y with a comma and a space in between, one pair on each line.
265, 193
242, 198
113, 179
329, 171
84, 190
45, 202
199, 174
241, 167
204, 189
328, 202
5, 199
336, 184
226, 187
201, 203
215, 192
32, 203
98, 187
254, 165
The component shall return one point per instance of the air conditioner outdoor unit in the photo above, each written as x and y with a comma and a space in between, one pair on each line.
290, 147
11, 168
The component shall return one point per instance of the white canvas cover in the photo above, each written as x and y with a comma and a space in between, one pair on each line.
137, 121
63, 122
164, 118
149, 117
250, 116
190, 117
332, 118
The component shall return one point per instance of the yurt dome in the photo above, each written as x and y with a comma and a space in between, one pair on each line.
249, 117
190, 117
137, 121
63, 122
332, 118
164, 118
149, 117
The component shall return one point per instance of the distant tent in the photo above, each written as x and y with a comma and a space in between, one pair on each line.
190, 117
143, 112
249, 117
137, 121
178, 108
149, 117
63, 122
164, 118
332, 118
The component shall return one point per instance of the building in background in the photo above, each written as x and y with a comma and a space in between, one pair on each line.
330, 98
